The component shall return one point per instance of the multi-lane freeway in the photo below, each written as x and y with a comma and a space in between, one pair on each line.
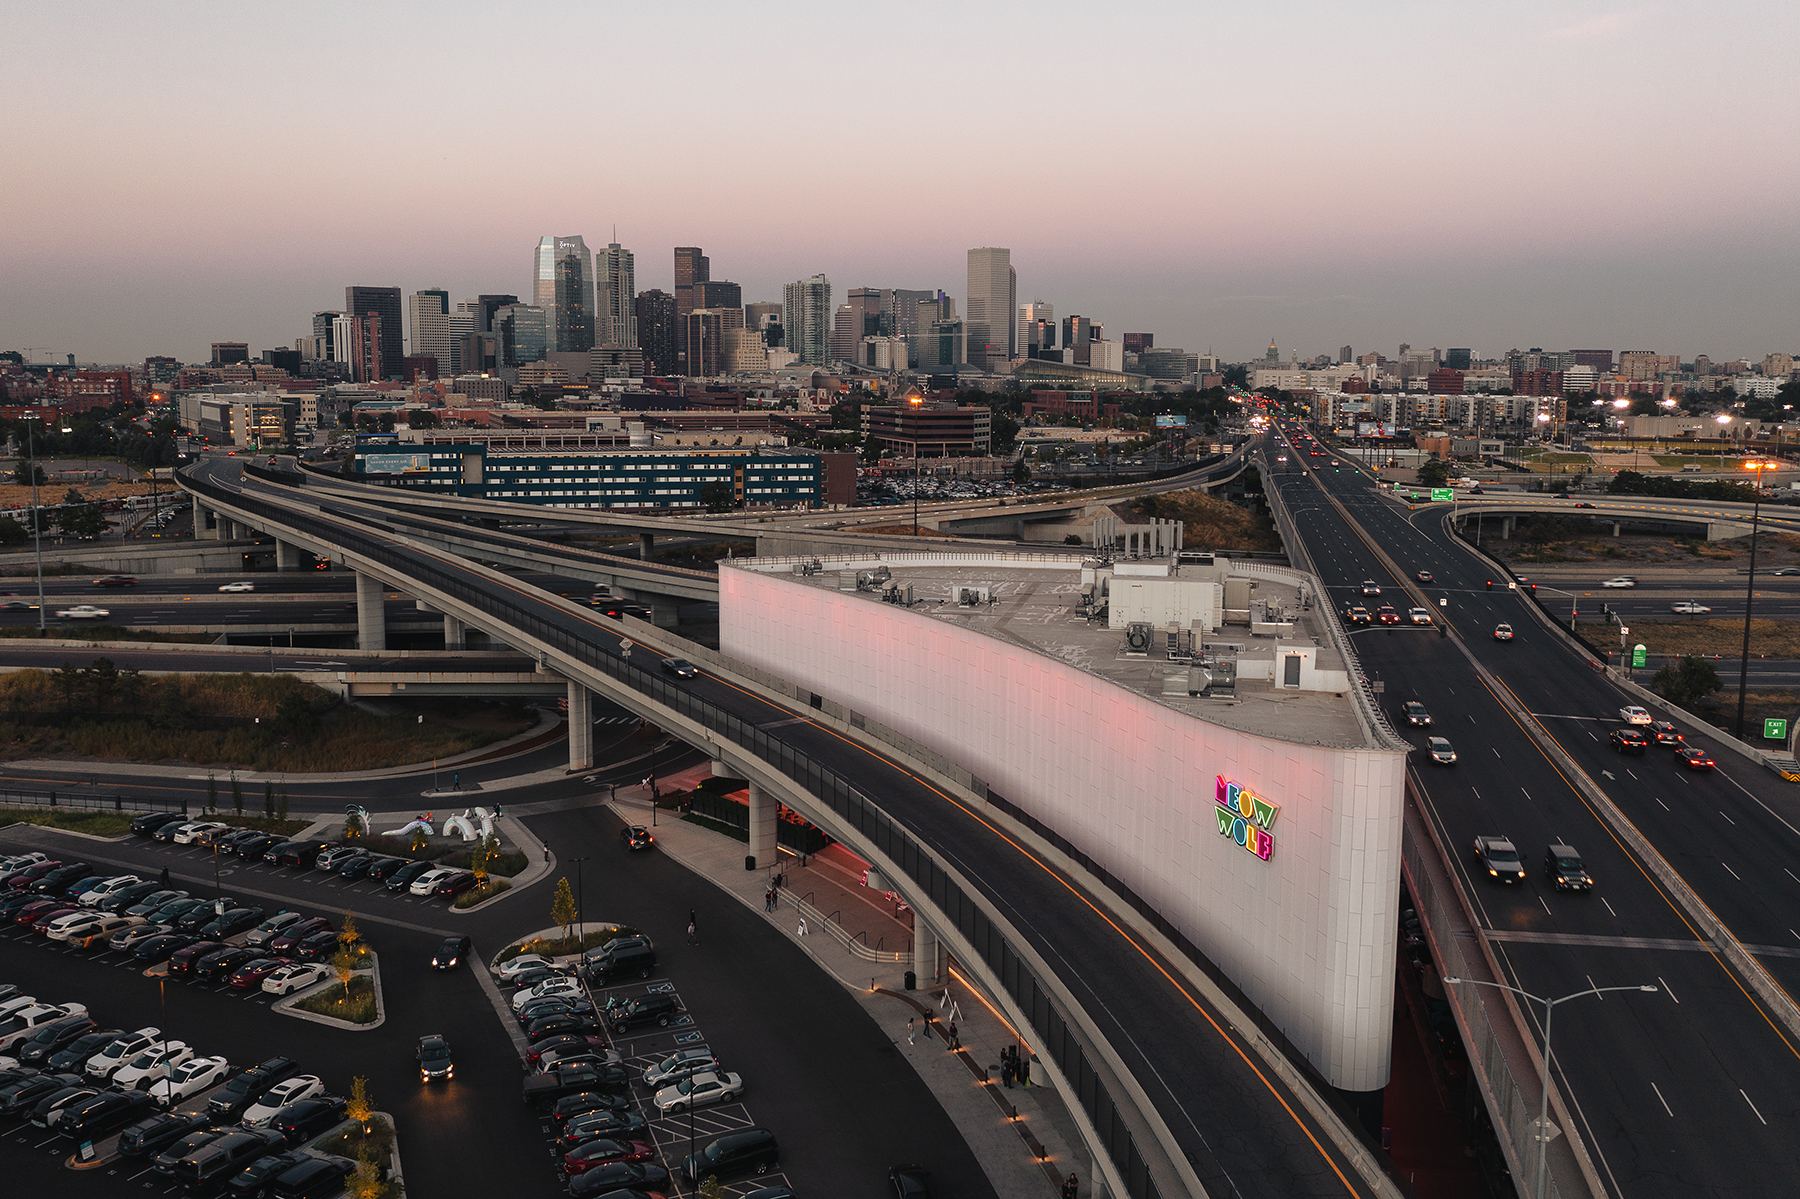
1694, 1089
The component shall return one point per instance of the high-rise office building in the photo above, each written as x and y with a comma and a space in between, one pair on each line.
1137, 343
691, 267
562, 284
227, 353
321, 327
615, 297
993, 299
862, 314
903, 315
718, 293
806, 318
1455, 358
1078, 334
656, 331
708, 350
359, 341
764, 317
521, 334
431, 334
1346, 354
384, 302
1037, 329
486, 306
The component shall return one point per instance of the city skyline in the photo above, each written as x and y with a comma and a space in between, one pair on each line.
1550, 175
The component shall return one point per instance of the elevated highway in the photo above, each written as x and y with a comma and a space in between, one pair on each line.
1176, 1091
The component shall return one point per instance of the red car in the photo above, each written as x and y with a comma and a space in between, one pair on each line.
603, 1151
297, 932
27, 915
456, 884
1387, 615
1695, 758
57, 907
251, 974
31, 874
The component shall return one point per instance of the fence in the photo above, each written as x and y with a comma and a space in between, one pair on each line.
544, 623
90, 799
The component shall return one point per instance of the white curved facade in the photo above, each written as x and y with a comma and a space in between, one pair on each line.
1308, 934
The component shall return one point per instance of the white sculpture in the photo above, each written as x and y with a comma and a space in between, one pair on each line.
410, 829
487, 822
460, 824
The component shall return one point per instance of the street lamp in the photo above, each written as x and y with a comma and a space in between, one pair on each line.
1749, 591
916, 401
37, 526
1549, 1010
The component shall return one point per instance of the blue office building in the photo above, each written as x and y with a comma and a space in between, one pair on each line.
634, 479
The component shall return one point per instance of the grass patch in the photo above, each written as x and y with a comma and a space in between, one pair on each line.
358, 1008
1211, 522
1679, 460
469, 899
555, 947
260, 722
1770, 637
377, 1143
507, 864
99, 824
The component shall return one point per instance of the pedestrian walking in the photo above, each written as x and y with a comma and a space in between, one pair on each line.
1071, 1188
769, 900
165, 878
909, 1030
1006, 1070
955, 1040
694, 920
693, 934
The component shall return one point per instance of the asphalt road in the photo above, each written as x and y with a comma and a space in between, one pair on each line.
1238, 1128
1692, 1090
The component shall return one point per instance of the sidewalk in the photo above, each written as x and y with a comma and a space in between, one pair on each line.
828, 887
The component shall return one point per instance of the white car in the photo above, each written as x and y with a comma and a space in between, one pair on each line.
107, 1062
59, 1106
19, 861
189, 1079
238, 587
1371, 587
1419, 615
1690, 608
522, 963
299, 976
112, 886
698, 1091
302, 1086
1634, 715
71, 925
188, 834
547, 989
103, 931
26, 1021
1621, 581
151, 1066
426, 883
83, 612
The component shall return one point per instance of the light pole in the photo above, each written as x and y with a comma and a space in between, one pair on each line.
1749, 592
915, 401
1549, 1010
578, 897
37, 526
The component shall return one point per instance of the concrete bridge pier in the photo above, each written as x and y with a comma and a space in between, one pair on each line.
647, 546
456, 634
201, 512
1507, 525
763, 847
288, 556
371, 619
926, 958
581, 727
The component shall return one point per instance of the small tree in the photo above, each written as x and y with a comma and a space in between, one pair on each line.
269, 804
483, 857
343, 964
562, 908
358, 1106
68, 681
103, 677
237, 794
366, 1182
353, 825
1434, 472
1687, 681
281, 804
419, 840
212, 792
710, 1189
131, 685
349, 935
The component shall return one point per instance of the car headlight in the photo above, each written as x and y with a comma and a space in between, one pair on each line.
1493, 872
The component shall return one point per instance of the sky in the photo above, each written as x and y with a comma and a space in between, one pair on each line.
1564, 175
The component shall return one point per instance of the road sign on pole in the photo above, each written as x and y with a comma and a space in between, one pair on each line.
1639, 656
1775, 730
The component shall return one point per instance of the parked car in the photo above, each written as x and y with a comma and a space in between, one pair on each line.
331, 859
544, 990
253, 973
151, 1066
525, 961
317, 947
909, 1182
152, 950
403, 878
190, 1078
314, 1178
273, 927
546, 1087
256, 1178
233, 922
744, 1151
152, 1133
382, 869
356, 865
193, 1142
306, 1118
128, 939
295, 977
604, 1150
221, 964
73, 1057
292, 1090
248, 1086
296, 932
253, 848
302, 853
660, 1010
106, 1063
128, 897
189, 834
700, 1090
426, 882
635, 1177
210, 1167
181, 962
458, 882
100, 1114
624, 961
1499, 859
93, 895
37, 1049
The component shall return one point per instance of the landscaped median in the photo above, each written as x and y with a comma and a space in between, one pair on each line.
349, 998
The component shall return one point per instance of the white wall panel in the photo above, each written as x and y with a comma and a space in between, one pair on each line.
1308, 934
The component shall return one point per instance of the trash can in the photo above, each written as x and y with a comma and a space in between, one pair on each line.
912, 981
749, 861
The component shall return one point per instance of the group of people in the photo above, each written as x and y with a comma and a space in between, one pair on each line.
1014, 1066
772, 897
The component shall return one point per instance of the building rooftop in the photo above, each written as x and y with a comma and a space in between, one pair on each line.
1033, 601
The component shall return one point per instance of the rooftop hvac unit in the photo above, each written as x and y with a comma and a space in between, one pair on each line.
967, 596
1137, 637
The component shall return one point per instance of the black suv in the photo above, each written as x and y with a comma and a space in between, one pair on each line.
659, 1010
1629, 740
1565, 868
1499, 859
450, 954
734, 1153
238, 1095
621, 961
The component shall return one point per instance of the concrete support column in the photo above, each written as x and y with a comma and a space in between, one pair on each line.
200, 514
762, 827
721, 771
371, 621
647, 546
581, 727
1507, 525
454, 635
1615, 528
287, 555
925, 952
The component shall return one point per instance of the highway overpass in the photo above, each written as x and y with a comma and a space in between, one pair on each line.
1177, 1089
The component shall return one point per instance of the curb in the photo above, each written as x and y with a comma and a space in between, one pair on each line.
286, 1007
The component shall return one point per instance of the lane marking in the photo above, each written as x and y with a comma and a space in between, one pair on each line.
1731, 872
1752, 1104
1660, 1099
1665, 987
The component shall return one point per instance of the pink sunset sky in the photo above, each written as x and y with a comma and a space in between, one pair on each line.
1560, 175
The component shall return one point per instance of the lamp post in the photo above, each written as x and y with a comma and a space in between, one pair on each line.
916, 401
578, 897
37, 526
1549, 1011
1749, 592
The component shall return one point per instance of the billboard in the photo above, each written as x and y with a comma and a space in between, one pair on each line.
1374, 429
1165, 421
396, 464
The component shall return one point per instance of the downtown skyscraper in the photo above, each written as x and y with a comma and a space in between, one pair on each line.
615, 297
990, 318
383, 359
562, 284
806, 318
691, 266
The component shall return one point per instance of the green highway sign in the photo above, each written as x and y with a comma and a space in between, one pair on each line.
1639, 656
1775, 730
1442, 495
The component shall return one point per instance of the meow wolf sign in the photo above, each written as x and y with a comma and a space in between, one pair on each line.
1245, 817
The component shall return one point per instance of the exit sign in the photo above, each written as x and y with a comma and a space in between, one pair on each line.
1775, 730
